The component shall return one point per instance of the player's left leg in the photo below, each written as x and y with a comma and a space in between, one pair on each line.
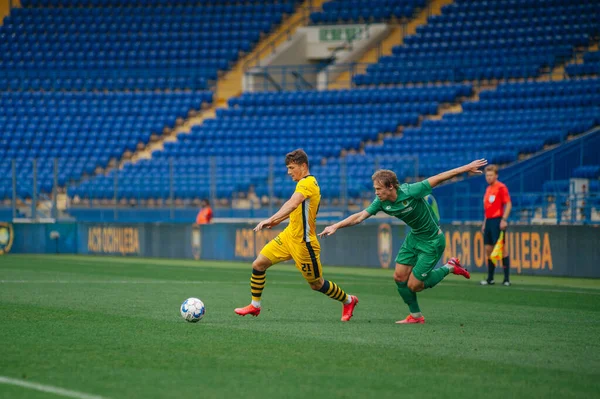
423, 274
307, 257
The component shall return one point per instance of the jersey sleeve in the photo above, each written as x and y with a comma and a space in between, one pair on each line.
417, 190
374, 207
505, 195
306, 188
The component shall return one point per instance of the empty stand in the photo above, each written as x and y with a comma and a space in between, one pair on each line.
590, 65
257, 126
84, 81
475, 40
117, 45
83, 130
516, 118
365, 10
104, 47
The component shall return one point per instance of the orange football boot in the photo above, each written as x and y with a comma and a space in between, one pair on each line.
458, 269
348, 309
250, 309
412, 320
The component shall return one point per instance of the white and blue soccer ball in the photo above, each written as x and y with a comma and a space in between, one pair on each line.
192, 310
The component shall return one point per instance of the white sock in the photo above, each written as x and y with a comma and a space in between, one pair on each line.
450, 267
416, 315
348, 299
256, 304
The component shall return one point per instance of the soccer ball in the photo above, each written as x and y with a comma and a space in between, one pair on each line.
192, 310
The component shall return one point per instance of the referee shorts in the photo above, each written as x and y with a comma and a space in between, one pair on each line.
491, 231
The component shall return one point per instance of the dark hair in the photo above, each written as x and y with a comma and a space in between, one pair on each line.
297, 156
205, 201
386, 177
491, 168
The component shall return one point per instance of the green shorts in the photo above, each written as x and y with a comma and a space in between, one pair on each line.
423, 255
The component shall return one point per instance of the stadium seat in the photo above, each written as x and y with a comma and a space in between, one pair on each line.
509, 39
61, 45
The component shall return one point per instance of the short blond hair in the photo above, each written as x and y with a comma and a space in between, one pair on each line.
492, 168
386, 177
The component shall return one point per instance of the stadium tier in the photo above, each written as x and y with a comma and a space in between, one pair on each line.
133, 3
68, 70
145, 46
118, 45
588, 172
83, 130
528, 117
270, 124
590, 65
515, 118
474, 40
368, 10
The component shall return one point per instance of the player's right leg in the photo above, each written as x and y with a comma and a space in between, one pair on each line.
274, 252
401, 276
406, 259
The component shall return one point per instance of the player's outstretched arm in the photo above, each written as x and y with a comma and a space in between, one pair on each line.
473, 167
282, 213
349, 221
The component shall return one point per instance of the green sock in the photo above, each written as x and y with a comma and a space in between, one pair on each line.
435, 276
409, 297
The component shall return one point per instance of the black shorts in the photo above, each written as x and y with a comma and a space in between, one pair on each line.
491, 232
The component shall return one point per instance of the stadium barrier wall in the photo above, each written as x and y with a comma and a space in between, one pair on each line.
463, 200
534, 250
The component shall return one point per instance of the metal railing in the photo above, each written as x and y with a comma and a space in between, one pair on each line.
36, 189
302, 77
304, 20
327, 76
544, 207
173, 192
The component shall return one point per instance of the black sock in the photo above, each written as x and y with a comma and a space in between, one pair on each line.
491, 268
506, 267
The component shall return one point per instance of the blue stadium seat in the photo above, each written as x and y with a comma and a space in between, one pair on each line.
507, 40
69, 47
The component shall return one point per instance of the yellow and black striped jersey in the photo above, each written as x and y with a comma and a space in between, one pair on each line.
303, 219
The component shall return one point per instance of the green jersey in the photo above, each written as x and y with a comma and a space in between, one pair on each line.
412, 208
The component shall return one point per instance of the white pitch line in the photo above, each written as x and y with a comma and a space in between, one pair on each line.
48, 388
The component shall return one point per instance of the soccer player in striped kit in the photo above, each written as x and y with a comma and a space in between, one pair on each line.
298, 241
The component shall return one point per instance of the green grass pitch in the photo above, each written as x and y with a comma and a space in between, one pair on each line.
111, 327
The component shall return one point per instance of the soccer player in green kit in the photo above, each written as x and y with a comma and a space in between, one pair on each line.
424, 245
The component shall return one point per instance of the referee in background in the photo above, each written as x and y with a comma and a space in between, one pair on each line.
497, 206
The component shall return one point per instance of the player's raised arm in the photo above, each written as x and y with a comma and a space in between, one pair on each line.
349, 221
473, 167
283, 213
